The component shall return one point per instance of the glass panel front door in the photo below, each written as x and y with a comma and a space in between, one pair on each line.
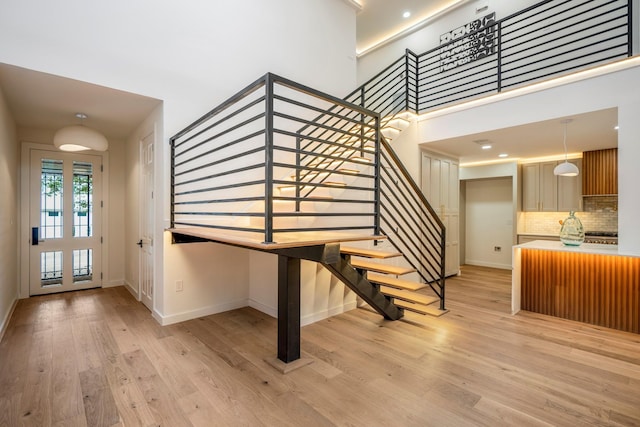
65, 248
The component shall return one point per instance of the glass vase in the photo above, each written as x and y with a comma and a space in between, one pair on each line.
572, 231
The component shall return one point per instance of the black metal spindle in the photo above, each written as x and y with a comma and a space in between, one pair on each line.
268, 160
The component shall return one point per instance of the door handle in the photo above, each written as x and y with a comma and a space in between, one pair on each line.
35, 236
139, 243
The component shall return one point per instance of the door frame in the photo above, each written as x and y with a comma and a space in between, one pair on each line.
24, 223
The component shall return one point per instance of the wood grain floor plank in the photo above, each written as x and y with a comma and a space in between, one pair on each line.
476, 365
67, 403
35, 404
159, 397
99, 404
131, 404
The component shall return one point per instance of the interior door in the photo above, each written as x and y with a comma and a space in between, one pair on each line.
65, 216
147, 180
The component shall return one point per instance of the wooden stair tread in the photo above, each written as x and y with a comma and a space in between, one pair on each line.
381, 268
408, 295
368, 253
395, 282
419, 308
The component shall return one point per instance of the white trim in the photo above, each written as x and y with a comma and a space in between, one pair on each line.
489, 264
268, 310
355, 4
105, 214
308, 318
113, 283
194, 314
325, 314
7, 318
536, 87
131, 290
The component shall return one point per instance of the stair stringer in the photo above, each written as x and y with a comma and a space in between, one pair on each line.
358, 283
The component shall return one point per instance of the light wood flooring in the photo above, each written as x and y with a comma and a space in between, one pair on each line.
97, 358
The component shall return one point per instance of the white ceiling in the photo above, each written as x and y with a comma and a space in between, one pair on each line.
44, 101
586, 132
380, 19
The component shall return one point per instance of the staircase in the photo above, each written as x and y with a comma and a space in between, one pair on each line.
386, 278
286, 169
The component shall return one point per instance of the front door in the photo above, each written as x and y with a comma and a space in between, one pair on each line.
65, 217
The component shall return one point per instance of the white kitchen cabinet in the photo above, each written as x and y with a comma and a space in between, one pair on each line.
539, 187
570, 190
542, 191
440, 185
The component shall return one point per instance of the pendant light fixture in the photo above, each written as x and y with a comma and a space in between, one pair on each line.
565, 168
79, 138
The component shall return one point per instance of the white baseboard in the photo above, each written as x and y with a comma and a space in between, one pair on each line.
7, 318
233, 305
306, 319
133, 291
489, 264
113, 283
194, 314
324, 314
268, 310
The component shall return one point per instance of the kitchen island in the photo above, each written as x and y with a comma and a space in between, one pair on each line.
591, 283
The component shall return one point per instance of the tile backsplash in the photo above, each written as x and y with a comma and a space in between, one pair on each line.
600, 203
549, 222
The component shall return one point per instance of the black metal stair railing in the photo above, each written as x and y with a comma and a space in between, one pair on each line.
249, 146
546, 40
406, 218
410, 223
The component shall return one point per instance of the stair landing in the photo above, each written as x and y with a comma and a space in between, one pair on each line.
256, 240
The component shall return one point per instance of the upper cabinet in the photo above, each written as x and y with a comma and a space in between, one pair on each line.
539, 187
600, 172
542, 191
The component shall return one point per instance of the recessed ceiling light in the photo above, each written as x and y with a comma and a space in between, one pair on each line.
486, 146
503, 155
406, 14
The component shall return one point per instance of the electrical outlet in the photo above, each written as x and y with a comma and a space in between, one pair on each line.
497, 248
179, 285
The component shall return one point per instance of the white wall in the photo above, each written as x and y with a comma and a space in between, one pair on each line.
192, 55
9, 190
489, 222
321, 294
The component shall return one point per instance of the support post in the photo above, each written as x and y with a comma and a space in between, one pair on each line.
288, 309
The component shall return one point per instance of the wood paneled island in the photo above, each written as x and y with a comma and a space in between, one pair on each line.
590, 283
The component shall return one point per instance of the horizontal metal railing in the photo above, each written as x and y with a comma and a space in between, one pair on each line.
548, 39
405, 216
250, 144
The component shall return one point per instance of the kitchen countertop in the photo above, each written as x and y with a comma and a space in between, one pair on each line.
585, 248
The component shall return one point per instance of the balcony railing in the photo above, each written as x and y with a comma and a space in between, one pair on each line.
546, 40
